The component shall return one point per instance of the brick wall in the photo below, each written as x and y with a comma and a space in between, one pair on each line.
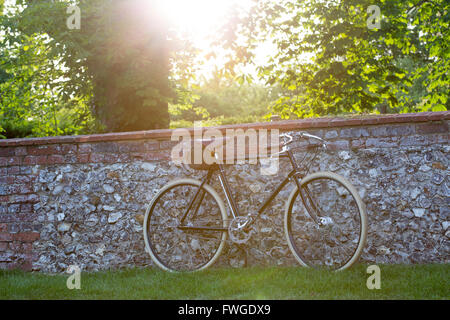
23, 196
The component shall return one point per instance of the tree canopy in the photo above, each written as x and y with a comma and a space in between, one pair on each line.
332, 60
116, 64
126, 68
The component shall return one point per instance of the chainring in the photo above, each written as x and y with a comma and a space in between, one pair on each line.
239, 231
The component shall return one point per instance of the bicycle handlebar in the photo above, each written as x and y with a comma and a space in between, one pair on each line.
289, 137
302, 135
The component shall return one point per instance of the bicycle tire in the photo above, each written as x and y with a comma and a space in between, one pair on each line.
304, 246
161, 260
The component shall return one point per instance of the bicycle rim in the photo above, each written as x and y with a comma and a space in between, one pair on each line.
178, 250
337, 244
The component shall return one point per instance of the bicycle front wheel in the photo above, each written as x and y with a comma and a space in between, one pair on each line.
185, 249
335, 243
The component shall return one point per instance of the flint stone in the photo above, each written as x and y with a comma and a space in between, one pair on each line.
108, 188
114, 217
63, 227
148, 166
414, 193
344, 155
419, 212
373, 173
57, 190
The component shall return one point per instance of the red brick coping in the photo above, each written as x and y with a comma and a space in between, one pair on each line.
284, 125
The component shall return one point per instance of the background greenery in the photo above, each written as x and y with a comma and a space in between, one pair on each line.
56, 81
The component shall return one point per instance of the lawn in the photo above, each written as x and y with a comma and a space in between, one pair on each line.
397, 282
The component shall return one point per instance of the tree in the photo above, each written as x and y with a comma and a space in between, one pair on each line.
222, 100
118, 62
332, 60
30, 103
130, 68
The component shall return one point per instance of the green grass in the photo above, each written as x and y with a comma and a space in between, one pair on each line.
397, 282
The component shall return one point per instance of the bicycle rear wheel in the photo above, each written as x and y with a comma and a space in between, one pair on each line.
181, 250
339, 242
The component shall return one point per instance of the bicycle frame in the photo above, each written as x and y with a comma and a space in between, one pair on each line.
295, 175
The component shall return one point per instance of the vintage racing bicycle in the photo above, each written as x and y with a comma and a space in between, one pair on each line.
186, 225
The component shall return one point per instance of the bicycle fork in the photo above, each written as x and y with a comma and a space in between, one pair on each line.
305, 195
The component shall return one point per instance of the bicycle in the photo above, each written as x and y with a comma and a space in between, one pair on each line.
186, 224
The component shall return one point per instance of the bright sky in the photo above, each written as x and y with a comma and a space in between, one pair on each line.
201, 19
198, 17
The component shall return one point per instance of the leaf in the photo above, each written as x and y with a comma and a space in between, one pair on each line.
438, 107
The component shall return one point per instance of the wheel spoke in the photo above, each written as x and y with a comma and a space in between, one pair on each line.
184, 249
335, 243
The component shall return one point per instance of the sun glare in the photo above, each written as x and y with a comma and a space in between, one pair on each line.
196, 17
200, 21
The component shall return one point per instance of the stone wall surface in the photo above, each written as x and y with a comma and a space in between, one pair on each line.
74, 200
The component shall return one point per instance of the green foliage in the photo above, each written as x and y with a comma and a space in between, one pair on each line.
220, 101
126, 70
124, 58
30, 86
115, 69
330, 62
